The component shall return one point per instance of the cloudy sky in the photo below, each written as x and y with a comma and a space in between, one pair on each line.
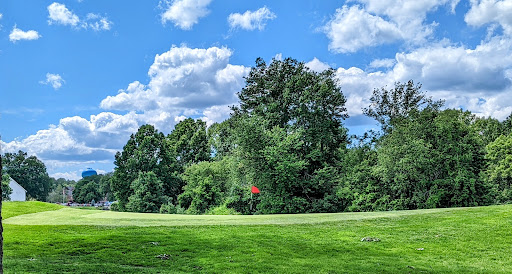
79, 76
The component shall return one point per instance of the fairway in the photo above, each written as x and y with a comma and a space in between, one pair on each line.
72, 216
45, 238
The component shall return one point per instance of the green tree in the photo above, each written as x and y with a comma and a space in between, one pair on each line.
507, 125
221, 138
289, 134
488, 129
498, 173
6, 189
105, 190
147, 193
206, 186
189, 142
145, 151
58, 185
88, 189
390, 106
29, 172
432, 159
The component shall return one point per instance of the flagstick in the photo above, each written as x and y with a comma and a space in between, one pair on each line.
251, 201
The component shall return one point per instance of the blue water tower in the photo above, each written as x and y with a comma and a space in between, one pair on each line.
89, 172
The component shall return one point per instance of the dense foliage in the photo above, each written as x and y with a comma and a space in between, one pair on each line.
287, 138
6, 189
29, 172
146, 151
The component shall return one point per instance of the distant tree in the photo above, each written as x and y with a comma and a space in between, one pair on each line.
105, 189
58, 185
498, 173
390, 106
147, 193
88, 189
189, 142
29, 172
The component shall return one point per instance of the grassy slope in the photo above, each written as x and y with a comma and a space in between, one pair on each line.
461, 240
11, 209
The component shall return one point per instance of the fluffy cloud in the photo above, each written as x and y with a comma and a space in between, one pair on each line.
53, 79
317, 65
183, 78
97, 22
185, 13
353, 28
60, 14
183, 82
478, 79
490, 11
17, 34
251, 20
380, 22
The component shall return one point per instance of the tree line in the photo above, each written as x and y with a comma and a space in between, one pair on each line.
287, 137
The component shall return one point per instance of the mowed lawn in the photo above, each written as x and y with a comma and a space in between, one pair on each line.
47, 238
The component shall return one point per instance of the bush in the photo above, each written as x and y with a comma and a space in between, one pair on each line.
222, 210
115, 206
170, 208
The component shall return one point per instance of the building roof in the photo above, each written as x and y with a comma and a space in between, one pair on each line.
14, 181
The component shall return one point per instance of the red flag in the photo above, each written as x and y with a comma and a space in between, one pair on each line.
255, 190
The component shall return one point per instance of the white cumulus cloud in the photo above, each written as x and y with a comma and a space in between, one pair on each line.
490, 12
183, 82
478, 79
317, 65
18, 34
60, 14
251, 20
185, 13
353, 28
184, 78
378, 22
55, 80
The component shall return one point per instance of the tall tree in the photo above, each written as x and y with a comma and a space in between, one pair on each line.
189, 142
498, 173
29, 172
390, 106
287, 108
145, 151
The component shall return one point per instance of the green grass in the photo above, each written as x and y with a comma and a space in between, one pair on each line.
83, 241
11, 209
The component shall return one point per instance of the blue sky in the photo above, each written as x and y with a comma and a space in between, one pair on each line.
78, 77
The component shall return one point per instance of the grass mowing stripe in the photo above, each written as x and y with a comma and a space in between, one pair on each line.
72, 216
11, 209
472, 240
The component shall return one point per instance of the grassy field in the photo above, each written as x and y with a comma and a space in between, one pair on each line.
60, 240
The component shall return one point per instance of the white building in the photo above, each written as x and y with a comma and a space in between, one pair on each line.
18, 192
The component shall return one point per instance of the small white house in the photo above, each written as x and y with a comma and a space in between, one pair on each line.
18, 192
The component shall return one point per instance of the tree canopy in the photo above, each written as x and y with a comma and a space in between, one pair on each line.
29, 172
